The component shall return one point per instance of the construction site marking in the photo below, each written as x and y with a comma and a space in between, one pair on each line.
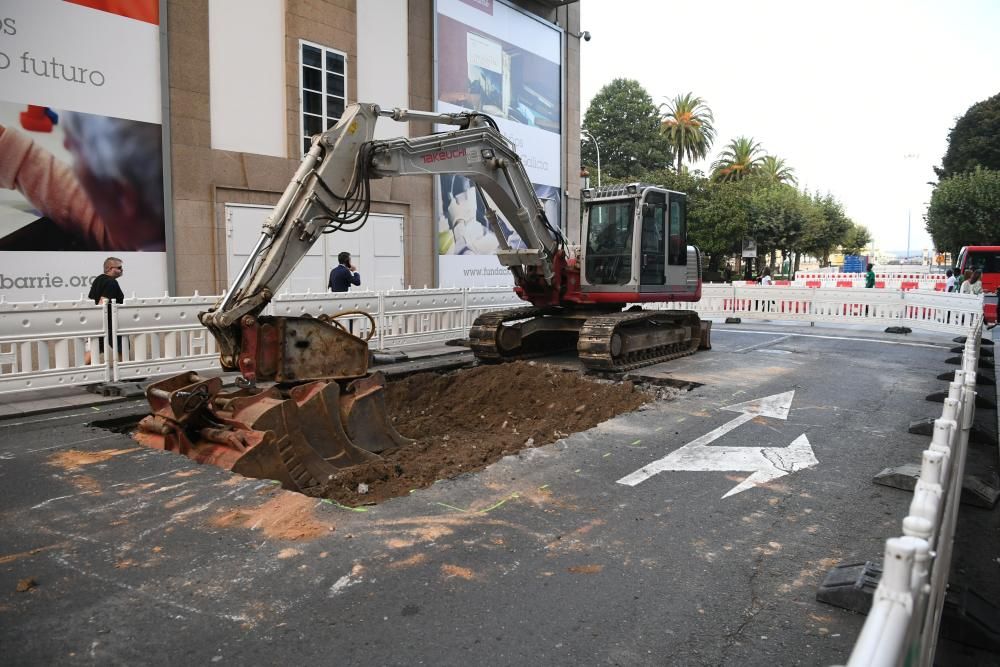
764, 463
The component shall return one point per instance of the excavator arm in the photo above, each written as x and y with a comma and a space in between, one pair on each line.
330, 192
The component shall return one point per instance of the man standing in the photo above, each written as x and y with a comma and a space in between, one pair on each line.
344, 274
949, 283
105, 288
870, 276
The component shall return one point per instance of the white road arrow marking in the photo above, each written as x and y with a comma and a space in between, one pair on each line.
765, 463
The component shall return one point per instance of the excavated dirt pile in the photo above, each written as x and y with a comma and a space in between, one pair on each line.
466, 420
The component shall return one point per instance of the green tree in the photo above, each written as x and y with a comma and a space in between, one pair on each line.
856, 239
626, 123
778, 215
740, 157
974, 141
965, 210
774, 170
688, 126
826, 230
720, 219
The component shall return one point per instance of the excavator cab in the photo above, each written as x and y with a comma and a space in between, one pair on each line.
636, 243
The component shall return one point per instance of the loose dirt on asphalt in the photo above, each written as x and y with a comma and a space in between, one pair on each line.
465, 420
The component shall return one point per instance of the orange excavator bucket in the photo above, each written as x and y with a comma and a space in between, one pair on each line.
295, 436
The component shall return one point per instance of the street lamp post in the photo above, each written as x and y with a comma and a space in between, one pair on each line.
907, 234
587, 135
909, 157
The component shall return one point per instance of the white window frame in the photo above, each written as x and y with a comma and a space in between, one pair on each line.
305, 138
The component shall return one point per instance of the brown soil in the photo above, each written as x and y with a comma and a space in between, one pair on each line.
286, 516
466, 420
73, 459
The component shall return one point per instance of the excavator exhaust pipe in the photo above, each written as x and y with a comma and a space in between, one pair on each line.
299, 437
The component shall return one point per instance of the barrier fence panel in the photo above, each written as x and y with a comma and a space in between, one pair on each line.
45, 345
903, 623
161, 335
941, 311
416, 317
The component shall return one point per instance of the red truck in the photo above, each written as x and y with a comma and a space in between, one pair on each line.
985, 258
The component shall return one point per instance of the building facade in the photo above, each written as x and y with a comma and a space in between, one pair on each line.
237, 123
163, 131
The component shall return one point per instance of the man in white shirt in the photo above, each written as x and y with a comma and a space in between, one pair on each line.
949, 283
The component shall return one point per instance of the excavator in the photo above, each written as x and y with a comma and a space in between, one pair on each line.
318, 408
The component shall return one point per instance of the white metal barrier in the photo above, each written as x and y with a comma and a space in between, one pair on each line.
903, 623
44, 344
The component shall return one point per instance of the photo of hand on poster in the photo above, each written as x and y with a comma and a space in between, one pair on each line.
79, 182
463, 228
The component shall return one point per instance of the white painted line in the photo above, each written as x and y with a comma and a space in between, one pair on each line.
852, 338
765, 343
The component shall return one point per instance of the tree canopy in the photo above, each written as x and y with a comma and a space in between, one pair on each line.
741, 157
965, 210
687, 124
626, 124
974, 141
774, 170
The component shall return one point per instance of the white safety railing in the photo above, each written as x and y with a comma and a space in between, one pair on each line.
903, 623
50, 344
45, 344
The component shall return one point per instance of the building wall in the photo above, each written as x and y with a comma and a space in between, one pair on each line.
204, 179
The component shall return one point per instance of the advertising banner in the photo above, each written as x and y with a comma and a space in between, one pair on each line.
81, 156
497, 60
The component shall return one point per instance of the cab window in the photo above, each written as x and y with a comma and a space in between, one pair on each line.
677, 246
652, 248
609, 244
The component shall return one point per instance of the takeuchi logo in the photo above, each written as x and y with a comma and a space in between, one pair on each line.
443, 155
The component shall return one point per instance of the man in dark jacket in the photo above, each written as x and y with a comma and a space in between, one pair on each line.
344, 274
105, 286
103, 290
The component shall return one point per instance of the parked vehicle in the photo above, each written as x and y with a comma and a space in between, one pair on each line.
985, 258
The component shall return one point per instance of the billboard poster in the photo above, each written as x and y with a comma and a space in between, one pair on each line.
81, 155
495, 59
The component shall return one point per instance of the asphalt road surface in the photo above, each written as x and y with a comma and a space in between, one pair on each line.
735, 509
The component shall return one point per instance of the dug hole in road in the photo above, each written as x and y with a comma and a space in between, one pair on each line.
130, 555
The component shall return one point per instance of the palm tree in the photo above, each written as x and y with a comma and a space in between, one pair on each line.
688, 126
774, 170
742, 156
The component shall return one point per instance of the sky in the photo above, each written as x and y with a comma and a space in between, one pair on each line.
858, 97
